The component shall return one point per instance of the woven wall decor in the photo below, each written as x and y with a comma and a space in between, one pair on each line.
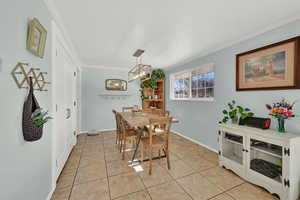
30, 131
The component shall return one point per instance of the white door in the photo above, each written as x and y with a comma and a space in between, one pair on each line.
70, 103
64, 91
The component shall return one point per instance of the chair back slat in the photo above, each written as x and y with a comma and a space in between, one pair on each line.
122, 124
128, 109
115, 114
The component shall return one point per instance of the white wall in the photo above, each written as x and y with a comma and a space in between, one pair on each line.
25, 167
97, 110
199, 120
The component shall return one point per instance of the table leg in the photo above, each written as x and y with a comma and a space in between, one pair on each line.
137, 145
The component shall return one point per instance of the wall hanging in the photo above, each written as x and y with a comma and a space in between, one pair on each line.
116, 84
36, 39
21, 74
275, 66
32, 131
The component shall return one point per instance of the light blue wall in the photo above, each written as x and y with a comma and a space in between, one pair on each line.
25, 167
97, 110
198, 120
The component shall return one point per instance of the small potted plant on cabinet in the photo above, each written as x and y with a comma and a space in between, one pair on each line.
235, 112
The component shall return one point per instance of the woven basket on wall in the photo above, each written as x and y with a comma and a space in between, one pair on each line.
30, 131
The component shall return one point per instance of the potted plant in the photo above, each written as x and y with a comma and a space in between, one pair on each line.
281, 111
156, 75
235, 112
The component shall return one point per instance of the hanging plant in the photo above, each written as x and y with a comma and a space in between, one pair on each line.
40, 117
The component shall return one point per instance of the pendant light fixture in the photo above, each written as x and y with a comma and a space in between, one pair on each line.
139, 70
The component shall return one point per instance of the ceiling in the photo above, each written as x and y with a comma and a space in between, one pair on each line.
107, 32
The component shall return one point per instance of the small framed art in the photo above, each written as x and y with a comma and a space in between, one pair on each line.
36, 39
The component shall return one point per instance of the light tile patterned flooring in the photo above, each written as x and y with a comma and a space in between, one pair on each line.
95, 171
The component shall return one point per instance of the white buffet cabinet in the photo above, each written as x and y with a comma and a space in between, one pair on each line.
266, 158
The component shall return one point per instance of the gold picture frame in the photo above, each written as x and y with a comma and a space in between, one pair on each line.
116, 84
272, 67
36, 39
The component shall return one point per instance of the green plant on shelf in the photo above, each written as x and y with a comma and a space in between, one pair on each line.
157, 74
235, 112
151, 82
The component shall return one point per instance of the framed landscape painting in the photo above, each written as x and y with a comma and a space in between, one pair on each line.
271, 67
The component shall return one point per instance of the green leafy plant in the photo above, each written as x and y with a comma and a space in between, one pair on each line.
235, 112
156, 75
39, 117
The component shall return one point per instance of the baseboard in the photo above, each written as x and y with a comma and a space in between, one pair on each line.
195, 141
51, 193
110, 129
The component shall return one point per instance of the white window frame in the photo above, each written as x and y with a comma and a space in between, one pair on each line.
190, 84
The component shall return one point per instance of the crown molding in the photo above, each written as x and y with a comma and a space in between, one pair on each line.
59, 23
232, 43
106, 67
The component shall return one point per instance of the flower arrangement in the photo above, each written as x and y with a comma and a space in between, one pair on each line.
40, 117
281, 111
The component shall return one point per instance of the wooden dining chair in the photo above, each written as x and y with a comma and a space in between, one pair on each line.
118, 128
159, 127
154, 140
127, 134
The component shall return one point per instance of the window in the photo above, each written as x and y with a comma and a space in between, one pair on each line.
182, 85
195, 84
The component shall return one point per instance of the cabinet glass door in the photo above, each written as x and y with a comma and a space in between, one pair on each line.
266, 159
232, 147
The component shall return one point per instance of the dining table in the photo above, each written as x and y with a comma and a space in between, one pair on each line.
140, 120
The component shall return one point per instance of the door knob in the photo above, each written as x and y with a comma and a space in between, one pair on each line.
68, 113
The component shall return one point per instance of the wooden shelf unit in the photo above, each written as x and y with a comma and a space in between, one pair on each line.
155, 106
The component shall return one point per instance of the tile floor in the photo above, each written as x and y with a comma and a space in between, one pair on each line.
95, 171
